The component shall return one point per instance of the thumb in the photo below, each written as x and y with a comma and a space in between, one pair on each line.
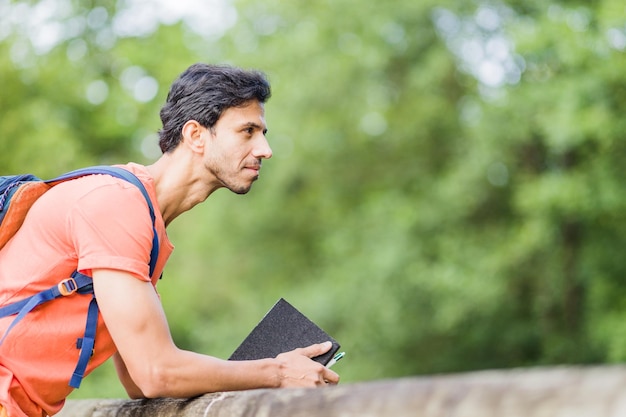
315, 350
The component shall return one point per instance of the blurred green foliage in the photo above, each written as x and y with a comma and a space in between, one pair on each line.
445, 193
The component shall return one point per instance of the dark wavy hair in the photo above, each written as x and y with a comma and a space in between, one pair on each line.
202, 93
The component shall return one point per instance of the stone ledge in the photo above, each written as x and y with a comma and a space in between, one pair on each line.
536, 392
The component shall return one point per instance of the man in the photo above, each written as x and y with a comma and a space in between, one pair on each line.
213, 136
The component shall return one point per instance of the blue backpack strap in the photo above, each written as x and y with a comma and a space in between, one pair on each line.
80, 283
86, 344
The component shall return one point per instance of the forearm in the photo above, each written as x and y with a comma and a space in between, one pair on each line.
187, 374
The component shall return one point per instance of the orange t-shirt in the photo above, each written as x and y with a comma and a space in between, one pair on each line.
93, 222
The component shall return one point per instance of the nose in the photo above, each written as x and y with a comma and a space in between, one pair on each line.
262, 149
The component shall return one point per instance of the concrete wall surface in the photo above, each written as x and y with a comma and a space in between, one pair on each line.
534, 392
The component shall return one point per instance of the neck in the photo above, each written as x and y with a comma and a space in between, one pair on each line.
179, 187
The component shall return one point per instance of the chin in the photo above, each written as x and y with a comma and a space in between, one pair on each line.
240, 190
239, 187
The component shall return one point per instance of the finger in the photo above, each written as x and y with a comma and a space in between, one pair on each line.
315, 350
330, 376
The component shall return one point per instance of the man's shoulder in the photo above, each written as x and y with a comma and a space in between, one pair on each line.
99, 182
101, 195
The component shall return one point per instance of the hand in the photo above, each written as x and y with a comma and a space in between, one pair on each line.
297, 369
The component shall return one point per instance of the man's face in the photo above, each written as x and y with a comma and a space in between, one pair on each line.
236, 146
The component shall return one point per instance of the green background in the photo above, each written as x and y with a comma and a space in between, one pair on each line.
445, 193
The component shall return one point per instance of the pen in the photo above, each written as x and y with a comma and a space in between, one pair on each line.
335, 359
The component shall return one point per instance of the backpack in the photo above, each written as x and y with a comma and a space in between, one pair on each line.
17, 195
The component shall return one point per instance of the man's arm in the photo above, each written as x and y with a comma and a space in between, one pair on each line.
132, 389
135, 318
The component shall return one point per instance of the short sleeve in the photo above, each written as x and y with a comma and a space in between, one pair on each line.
111, 229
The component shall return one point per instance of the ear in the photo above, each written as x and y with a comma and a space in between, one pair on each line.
193, 137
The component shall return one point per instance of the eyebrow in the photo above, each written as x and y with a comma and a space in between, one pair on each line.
255, 125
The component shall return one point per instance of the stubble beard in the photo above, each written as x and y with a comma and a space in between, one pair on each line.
234, 184
231, 181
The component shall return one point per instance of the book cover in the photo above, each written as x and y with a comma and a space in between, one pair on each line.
282, 329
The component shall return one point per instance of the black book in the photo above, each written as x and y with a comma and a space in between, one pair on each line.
282, 329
